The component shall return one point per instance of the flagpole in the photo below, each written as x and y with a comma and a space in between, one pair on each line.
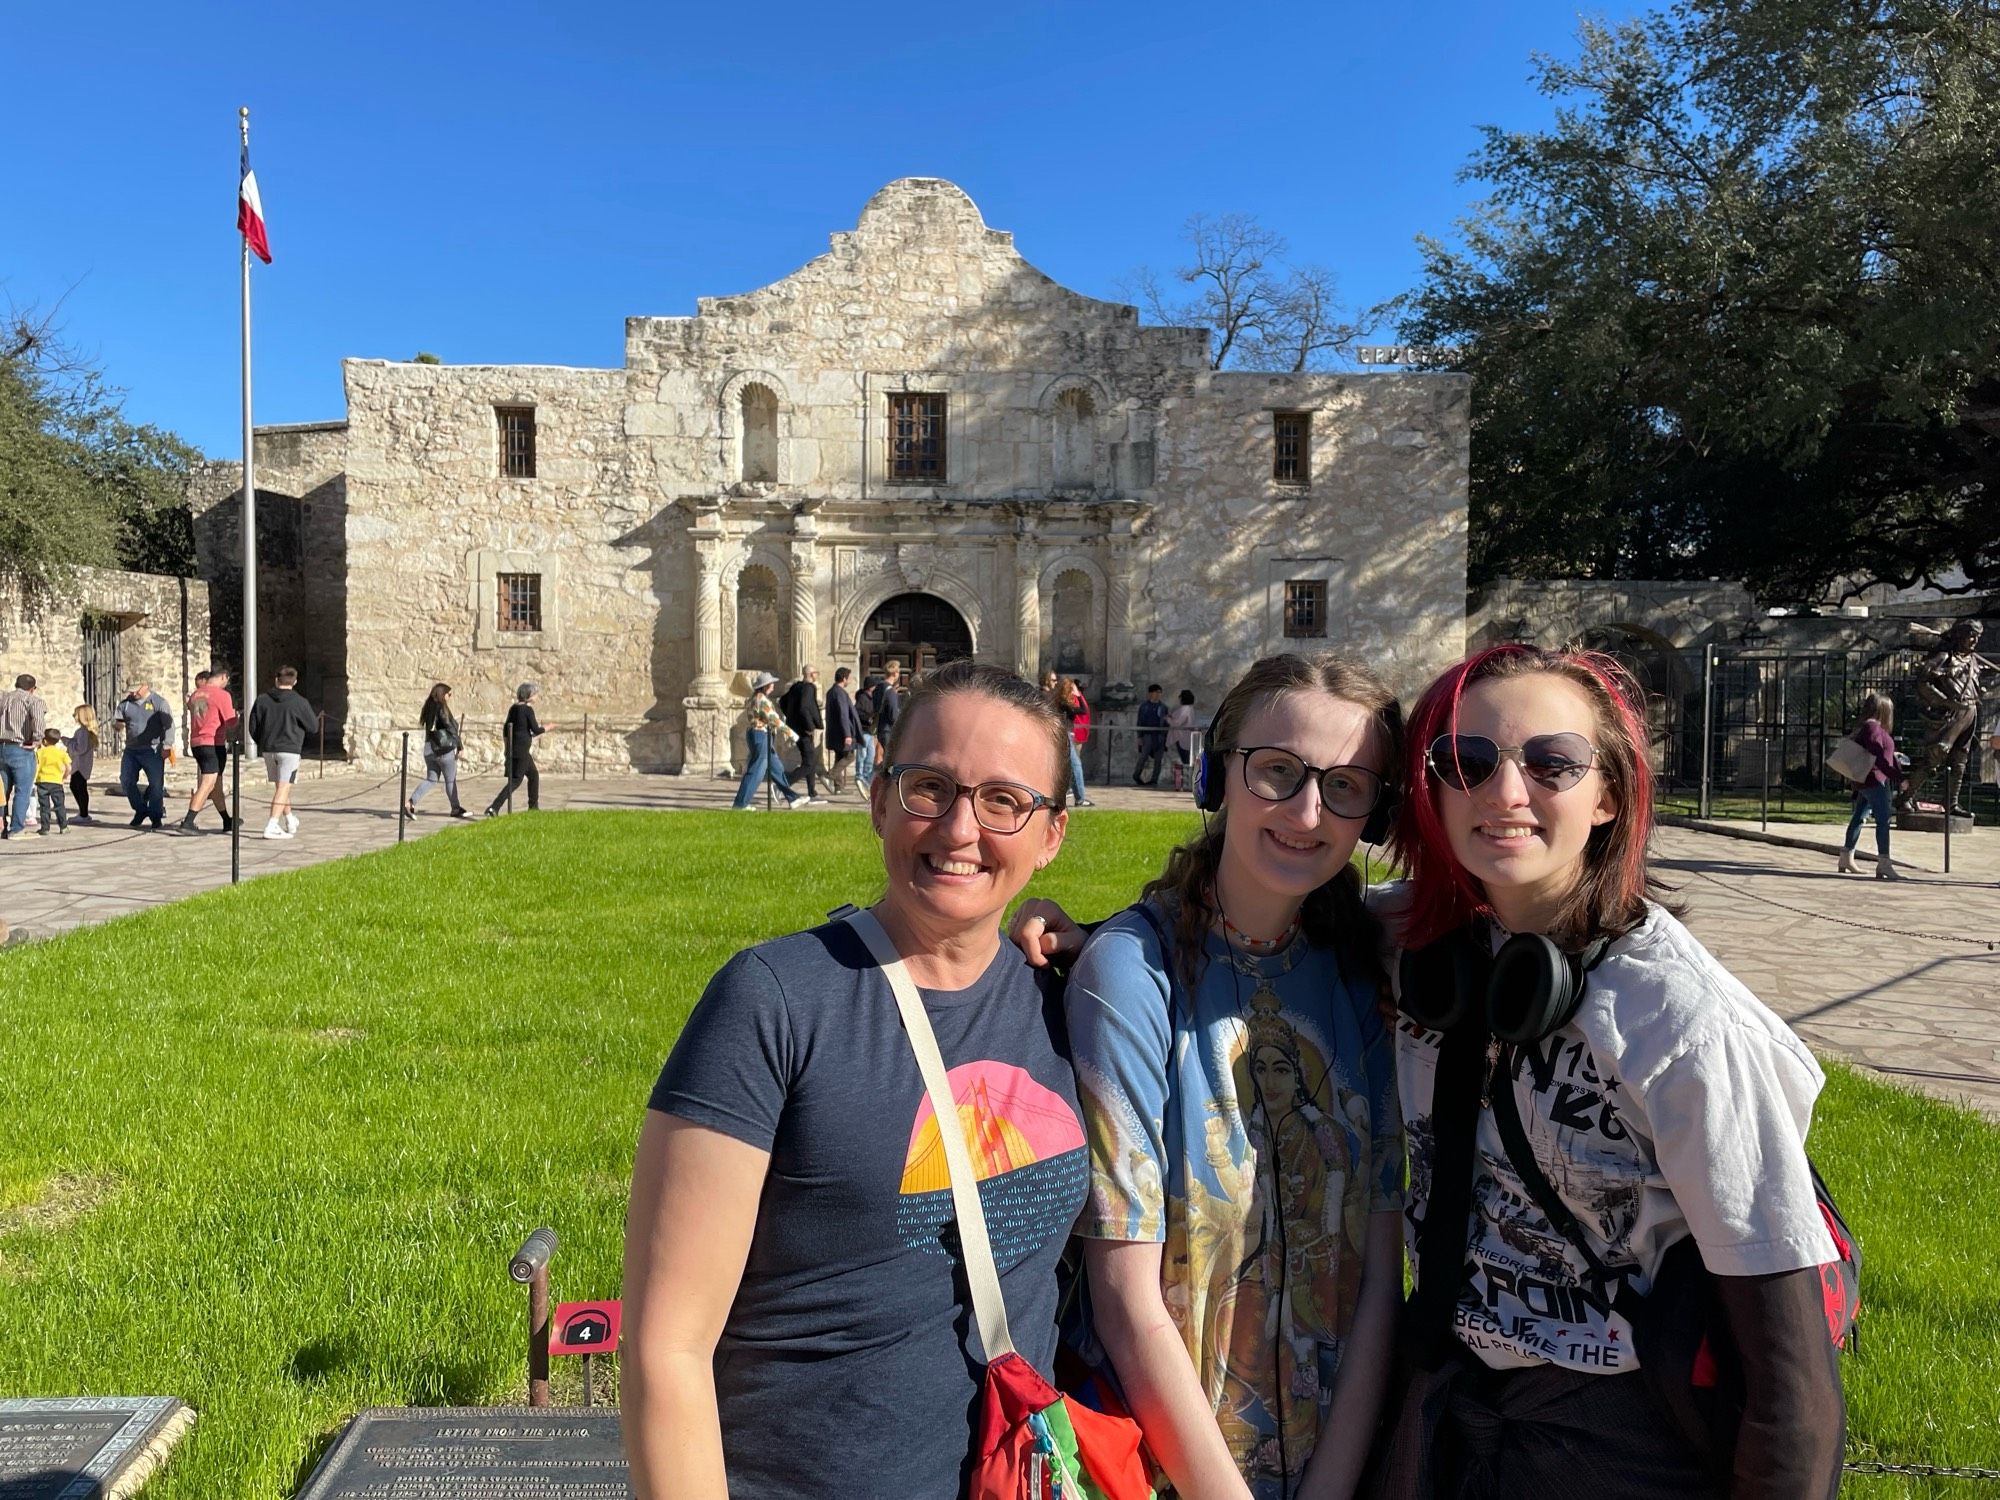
250, 683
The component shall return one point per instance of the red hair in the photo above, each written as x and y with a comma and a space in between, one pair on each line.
1609, 896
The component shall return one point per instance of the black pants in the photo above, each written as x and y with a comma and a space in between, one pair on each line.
49, 794
522, 768
79, 788
809, 763
1150, 752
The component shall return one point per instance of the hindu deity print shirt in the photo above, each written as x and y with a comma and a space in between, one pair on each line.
1252, 1127
1674, 1103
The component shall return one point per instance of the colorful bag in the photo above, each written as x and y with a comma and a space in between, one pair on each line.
1034, 1443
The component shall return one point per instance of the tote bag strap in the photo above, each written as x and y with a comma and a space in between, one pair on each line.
989, 1308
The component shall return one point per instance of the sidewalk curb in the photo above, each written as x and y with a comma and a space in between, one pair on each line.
1759, 836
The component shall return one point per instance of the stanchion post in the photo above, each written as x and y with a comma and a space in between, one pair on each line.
530, 1266
236, 801
1702, 804
1949, 803
507, 765
322, 742
586, 777
403, 790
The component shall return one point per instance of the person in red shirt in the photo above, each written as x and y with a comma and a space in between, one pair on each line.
211, 721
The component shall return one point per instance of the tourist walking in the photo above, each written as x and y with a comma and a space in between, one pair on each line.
800, 708
864, 715
83, 759
1180, 738
442, 743
1152, 737
1075, 708
280, 721
211, 723
843, 728
1872, 793
767, 735
888, 700
795, 1316
521, 731
51, 771
23, 720
148, 722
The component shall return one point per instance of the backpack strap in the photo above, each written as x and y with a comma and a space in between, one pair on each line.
1443, 1236
989, 1307
1514, 1137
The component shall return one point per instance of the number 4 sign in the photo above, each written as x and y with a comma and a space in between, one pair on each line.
584, 1328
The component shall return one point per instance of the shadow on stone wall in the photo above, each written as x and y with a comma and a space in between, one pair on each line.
656, 742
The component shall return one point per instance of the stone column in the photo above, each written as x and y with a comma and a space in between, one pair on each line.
805, 610
1118, 620
708, 681
707, 709
1027, 603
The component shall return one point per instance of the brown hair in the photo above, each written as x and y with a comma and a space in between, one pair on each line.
1333, 916
1609, 896
1002, 686
1882, 709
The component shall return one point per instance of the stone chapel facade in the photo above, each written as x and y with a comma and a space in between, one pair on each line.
916, 445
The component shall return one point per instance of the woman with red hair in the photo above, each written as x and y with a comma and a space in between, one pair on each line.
1590, 1099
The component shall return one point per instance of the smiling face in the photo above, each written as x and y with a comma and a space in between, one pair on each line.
1275, 854
1523, 843
949, 875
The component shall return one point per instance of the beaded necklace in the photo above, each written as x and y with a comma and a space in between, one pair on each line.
1262, 947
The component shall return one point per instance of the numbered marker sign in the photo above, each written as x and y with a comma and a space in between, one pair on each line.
584, 1328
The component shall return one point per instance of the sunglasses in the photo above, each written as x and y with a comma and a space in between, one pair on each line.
1555, 762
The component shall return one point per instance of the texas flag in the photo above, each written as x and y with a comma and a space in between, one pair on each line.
250, 211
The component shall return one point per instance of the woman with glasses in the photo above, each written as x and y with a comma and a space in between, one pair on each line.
794, 1324
1246, 1154
1618, 1113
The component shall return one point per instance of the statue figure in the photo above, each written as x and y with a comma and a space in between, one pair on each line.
1948, 694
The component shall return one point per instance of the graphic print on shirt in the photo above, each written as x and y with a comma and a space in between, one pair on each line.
1027, 1151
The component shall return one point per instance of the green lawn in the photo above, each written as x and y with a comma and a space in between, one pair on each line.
269, 1148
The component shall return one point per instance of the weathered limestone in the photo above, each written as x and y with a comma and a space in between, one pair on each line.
85, 639
727, 500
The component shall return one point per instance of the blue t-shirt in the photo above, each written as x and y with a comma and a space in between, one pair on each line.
849, 1365
1276, 1071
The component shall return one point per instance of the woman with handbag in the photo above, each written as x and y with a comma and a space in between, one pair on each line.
1871, 791
1607, 1132
441, 747
1241, 1241
795, 1248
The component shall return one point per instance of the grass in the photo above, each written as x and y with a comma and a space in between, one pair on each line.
268, 1149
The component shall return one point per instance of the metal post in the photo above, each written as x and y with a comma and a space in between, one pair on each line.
403, 790
1702, 802
530, 1266
586, 777
249, 516
322, 742
507, 765
589, 1395
236, 799
1949, 803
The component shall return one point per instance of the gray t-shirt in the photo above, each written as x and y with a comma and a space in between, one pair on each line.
848, 1366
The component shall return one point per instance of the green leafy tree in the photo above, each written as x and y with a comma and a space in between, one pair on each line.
1737, 312
79, 485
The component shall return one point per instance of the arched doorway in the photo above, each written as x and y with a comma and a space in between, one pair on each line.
919, 630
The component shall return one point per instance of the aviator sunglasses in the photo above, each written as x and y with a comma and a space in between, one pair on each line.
1555, 762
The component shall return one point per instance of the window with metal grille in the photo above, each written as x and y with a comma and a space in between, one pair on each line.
1291, 454
520, 601
916, 437
517, 441
1305, 608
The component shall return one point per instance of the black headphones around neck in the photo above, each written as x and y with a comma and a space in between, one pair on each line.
1527, 990
1211, 781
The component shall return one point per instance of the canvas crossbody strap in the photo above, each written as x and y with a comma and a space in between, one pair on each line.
989, 1308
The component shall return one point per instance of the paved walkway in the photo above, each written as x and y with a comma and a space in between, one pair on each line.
1881, 973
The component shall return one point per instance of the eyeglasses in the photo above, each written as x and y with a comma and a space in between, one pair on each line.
1275, 775
1555, 762
998, 806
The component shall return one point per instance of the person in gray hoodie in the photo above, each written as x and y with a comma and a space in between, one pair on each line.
280, 721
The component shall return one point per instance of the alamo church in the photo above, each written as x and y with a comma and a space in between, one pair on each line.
916, 445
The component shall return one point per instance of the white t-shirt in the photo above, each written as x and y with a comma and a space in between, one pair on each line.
1674, 1103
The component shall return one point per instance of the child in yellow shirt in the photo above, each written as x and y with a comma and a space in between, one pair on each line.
51, 771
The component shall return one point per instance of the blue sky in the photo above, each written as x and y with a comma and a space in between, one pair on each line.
507, 182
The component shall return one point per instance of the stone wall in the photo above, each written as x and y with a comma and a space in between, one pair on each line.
161, 634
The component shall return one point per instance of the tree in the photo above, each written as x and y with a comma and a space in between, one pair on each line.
1737, 312
1263, 312
79, 485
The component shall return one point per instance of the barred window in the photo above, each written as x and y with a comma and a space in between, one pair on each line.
916, 437
1291, 454
517, 441
520, 601
1305, 608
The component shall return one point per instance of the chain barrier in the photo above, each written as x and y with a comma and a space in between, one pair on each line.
1919, 1471
1935, 937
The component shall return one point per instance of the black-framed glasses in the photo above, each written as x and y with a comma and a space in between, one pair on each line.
1555, 762
998, 806
1275, 775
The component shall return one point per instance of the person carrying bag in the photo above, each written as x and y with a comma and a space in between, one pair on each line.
1033, 1441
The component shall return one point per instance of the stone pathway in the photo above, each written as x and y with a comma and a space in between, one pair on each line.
1881, 973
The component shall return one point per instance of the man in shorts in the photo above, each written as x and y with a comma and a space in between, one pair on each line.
211, 721
280, 720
